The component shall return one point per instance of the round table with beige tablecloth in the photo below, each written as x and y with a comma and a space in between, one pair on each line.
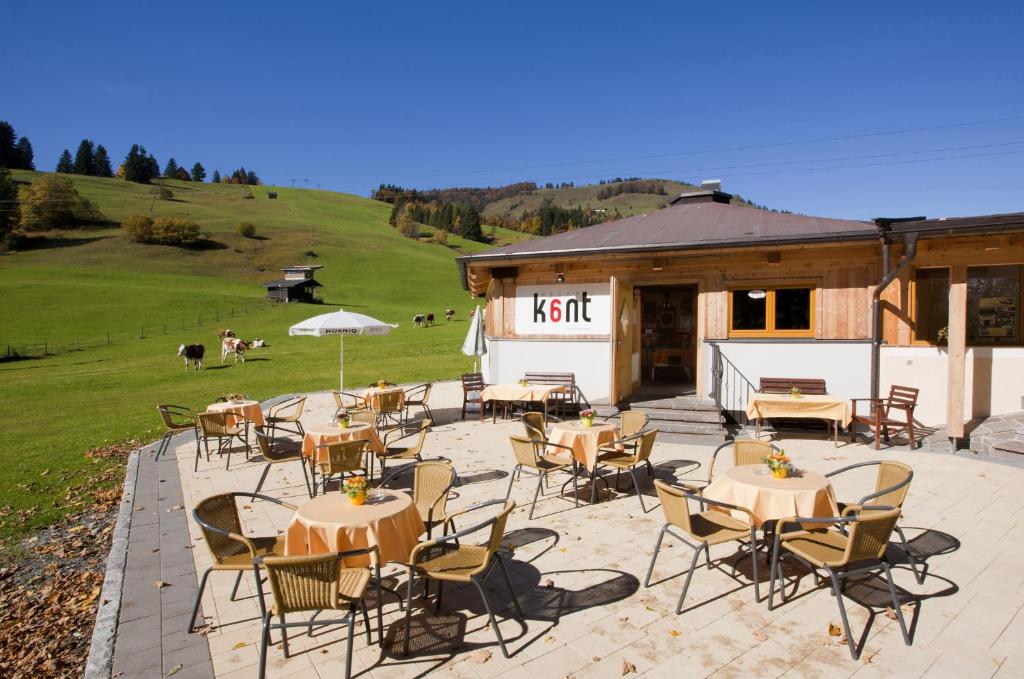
373, 394
320, 434
251, 409
330, 523
809, 494
584, 441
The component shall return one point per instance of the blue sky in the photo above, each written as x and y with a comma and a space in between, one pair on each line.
441, 94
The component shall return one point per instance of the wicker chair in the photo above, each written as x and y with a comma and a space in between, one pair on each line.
533, 454
344, 457
279, 453
472, 389
387, 407
632, 422
536, 424
355, 404
286, 413
217, 426
418, 396
744, 452
891, 486
318, 583
705, 528
413, 437
363, 417
431, 483
448, 559
864, 538
230, 548
629, 453
176, 419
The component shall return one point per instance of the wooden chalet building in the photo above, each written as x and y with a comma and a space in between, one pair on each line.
298, 285
706, 298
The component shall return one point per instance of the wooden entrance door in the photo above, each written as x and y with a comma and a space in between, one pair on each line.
622, 322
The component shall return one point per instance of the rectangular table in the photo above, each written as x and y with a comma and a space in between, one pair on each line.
822, 407
533, 393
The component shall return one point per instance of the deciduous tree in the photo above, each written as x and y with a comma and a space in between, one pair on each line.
51, 202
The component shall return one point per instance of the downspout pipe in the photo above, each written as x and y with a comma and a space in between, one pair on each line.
910, 253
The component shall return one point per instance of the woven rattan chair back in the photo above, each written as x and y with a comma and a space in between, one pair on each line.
869, 534
213, 425
296, 410
304, 583
418, 395
220, 511
675, 505
169, 412
534, 423
646, 446
750, 451
417, 447
498, 528
268, 451
362, 417
891, 473
344, 456
524, 450
389, 402
431, 482
632, 422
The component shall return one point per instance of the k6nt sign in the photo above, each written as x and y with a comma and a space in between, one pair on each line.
563, 309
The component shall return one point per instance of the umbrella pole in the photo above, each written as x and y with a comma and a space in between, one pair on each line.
341, 363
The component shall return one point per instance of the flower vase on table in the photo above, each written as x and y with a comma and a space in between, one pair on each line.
381, 384
587, 418
355, 488
778, 464
523, 383
795, 392
343, 419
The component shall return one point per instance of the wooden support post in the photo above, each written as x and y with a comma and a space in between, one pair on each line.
957, 351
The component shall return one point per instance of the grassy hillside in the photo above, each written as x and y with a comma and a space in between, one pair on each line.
86, 284
627, 204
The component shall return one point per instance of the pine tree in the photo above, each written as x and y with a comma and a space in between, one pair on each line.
84, 160
171, 169
251, 179
471, 225
198, 172
65, 163
139, 166
8, 204
182, 174
8, 150
26, 156
216, 177
101, 161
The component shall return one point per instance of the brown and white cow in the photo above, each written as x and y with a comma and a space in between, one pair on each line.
231, 345
192, 353
449, 314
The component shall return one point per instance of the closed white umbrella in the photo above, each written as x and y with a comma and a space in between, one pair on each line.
475, 345
341, 323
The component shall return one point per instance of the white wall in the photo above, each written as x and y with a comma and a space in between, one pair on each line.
507, 360
845, 366
993, 380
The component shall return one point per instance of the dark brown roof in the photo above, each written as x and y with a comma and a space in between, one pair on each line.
291, 283
687, 225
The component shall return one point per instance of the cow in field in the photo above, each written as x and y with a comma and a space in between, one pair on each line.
257, 343
224, 332
430, 319
192, 353
230, 346
449, 314
419, 320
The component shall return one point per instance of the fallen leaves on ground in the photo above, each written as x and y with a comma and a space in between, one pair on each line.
890, 613
760, 636
675, 633
480, 657
50, 583
173, 670
833, 630
628, 668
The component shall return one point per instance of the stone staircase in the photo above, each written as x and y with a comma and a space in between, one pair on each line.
686, 419
1000, 437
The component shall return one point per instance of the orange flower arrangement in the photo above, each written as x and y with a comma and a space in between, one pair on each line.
355, 488
778, 464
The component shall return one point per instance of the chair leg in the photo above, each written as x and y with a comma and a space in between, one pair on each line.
259, 591
164, 441
511, 480
351, 617
508, 583
199, 454
305, 477
918, 575
536, 493
753, 557
896, 604
773, 568
490, 615
234, 590
689, 576
838, 591
408, 615
284, 637
263, 477
199, 598
654, 556
440, 594
636, 487
264, 642
366, 622
575, 488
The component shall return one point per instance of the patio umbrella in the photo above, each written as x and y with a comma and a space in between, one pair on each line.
475, 344
341, 323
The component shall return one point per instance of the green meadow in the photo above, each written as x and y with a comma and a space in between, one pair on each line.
72, 289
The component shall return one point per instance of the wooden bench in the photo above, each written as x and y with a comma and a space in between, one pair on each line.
784, 385
561, 401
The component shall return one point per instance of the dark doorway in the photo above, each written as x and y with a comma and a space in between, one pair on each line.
668, 336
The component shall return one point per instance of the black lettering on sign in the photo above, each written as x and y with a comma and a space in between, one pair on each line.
586, 301
539, 316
